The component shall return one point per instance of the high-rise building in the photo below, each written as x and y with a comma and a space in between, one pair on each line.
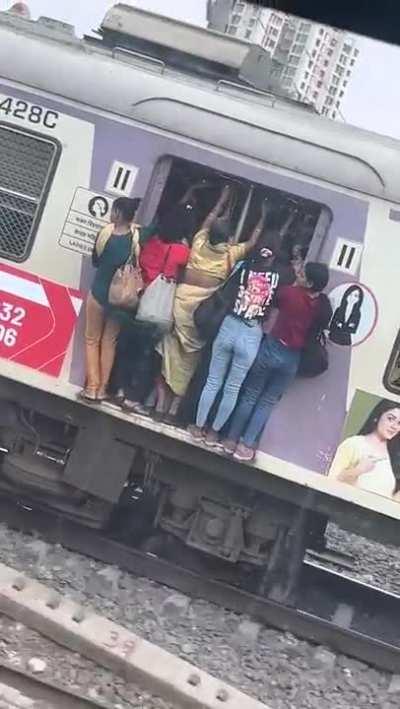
314, 63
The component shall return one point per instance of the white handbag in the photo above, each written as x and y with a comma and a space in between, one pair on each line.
157, 302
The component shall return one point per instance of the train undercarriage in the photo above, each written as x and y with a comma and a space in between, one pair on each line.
80, 462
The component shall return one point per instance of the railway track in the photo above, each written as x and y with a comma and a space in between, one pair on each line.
354, 618
18, 687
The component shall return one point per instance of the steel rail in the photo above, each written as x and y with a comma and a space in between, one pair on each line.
45, 690
353, 618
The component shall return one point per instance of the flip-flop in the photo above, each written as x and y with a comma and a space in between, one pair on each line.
84, 396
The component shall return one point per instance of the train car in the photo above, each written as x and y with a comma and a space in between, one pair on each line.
147, 106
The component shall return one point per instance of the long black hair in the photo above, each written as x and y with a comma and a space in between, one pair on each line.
393, 446
177, 224
356, 307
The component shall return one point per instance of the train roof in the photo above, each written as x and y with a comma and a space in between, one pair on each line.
131, 70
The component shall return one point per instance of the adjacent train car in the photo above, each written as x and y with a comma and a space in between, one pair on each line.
139, 112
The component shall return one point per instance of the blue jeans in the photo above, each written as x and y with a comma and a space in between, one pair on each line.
235, 349
273, 371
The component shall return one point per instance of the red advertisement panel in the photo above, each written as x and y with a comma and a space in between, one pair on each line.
37, 319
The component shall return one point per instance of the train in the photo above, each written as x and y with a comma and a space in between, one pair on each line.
145, 105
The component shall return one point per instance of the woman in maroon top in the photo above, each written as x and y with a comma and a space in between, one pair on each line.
300, 310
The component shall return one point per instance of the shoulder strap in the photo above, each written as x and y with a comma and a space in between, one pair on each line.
166, 257
102, 238
135, 243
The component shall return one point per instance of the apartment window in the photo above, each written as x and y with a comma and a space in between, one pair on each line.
343, 59
324, 111
339, 70
314, 53
296, 49
334, 115
303, 85
248, 34
294, 60
301, 37
345, 83
330, 52
321, 30
347, 48
239, 7
337, 104
310, 65
329, 101
305, 26
319, 84
274, 32
333, 42
252, 22
306, 75
352, 62
348, 72
317, 43
322, 73
333, 90
356, 52
315, 95
326, 63
232, 30
271, 43
27, 164
335, 80
235, 19
287, 82
290, 71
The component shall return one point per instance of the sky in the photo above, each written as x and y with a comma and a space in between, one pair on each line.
373, 97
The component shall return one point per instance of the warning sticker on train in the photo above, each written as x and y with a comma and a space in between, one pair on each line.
88, 213
37, 319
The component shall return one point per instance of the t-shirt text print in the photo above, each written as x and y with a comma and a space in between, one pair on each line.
255, 293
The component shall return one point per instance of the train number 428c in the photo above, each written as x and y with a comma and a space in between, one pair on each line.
25, 111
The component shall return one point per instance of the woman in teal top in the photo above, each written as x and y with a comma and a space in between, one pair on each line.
112, 250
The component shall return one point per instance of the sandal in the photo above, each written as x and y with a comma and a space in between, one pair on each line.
244, 454
196, 432
129, 406
88, 397
212, 439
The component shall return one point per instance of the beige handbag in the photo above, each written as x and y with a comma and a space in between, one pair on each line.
127, 282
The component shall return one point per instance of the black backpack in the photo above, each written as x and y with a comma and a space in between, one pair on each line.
314, 359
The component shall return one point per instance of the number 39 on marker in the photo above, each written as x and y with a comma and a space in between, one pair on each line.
28, 112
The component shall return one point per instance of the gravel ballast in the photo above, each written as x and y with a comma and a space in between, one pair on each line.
276, 668
24, 649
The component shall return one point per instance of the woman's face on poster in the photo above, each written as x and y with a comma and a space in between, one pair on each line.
354, 297
388, 426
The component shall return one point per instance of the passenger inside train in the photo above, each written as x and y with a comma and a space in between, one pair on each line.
199, 318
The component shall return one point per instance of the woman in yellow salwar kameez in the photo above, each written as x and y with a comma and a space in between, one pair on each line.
212, 259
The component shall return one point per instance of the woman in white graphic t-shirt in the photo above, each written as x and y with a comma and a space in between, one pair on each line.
371, 460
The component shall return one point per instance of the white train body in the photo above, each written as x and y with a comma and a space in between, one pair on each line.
79, 120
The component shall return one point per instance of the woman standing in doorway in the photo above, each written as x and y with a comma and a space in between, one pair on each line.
371, 460
113, 248
212, 258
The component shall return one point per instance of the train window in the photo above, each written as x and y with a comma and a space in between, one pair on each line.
391, 378
303, 223
27, 162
